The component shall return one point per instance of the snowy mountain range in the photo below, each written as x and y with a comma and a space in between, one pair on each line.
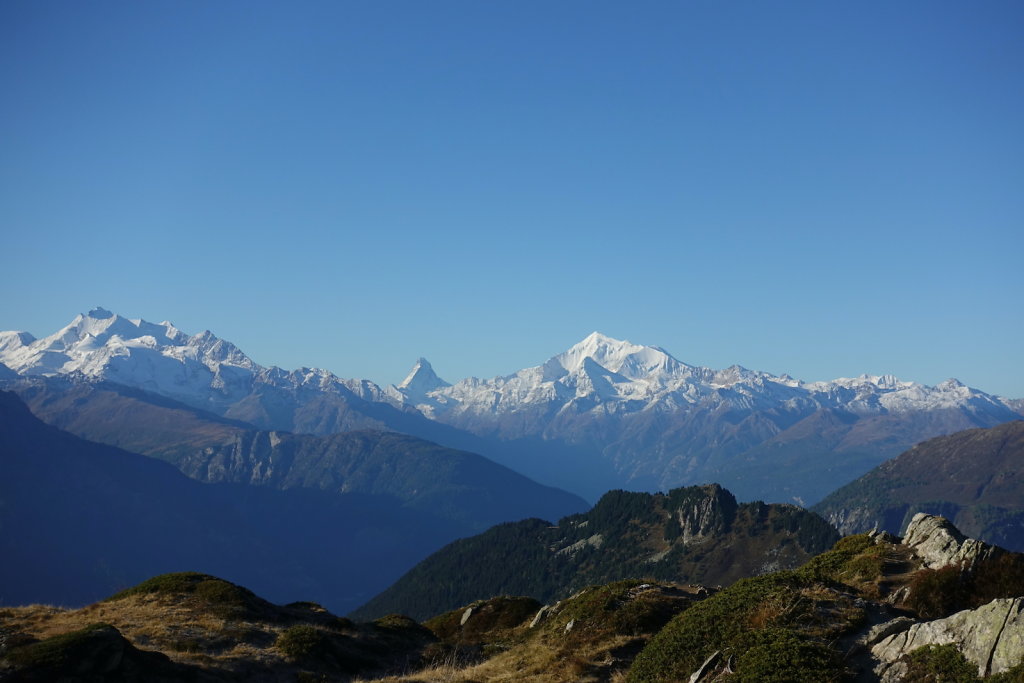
634, 413
200, 370
605, 375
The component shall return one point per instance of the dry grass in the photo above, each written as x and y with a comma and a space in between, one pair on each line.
598, 648
589, 638
533, 662
180, 629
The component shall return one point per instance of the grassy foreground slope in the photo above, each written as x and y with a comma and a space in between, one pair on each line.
814, 623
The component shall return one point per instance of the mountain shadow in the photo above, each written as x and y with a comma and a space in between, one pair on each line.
81, 520
456, 485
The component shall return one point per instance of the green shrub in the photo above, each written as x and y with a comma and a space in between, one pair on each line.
619, 608
59, 651
1001, 577
223, 598
936, 593
397, 622
219, 592
178, 582
713, 624
1014, 675
866, 566
777, 655
783, 622
301, 642
939, 664
489, 617
833, 564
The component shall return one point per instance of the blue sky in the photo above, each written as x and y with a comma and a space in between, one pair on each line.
822, 189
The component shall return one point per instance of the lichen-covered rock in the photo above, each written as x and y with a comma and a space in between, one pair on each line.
881, 537
941, 544
885, 630
991, 637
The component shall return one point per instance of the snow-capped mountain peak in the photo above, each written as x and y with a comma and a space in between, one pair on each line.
622, 357
10, 341
604, 350
421, 379
201, 370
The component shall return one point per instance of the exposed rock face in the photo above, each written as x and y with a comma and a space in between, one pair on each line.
706, 516
991, 637
941, 544
541, 613
885, 630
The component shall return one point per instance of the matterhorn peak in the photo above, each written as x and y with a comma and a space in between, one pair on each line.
421, 380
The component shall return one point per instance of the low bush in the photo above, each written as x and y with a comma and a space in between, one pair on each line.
301, 642
223, 598
777, 655
939, 664
60, 651
834, 564
1001, 577
936, 593
782, 621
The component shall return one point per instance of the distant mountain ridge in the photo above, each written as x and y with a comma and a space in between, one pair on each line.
975, 478
624, 377
603, 414
696, 535
662, 422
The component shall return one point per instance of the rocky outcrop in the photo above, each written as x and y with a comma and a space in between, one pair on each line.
940, 544
990, 637
698, 534
705, 515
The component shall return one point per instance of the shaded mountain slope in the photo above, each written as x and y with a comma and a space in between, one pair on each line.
699, 534
81, 519
974, 477
456, 485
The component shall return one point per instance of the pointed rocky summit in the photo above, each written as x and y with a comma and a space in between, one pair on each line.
421, 380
